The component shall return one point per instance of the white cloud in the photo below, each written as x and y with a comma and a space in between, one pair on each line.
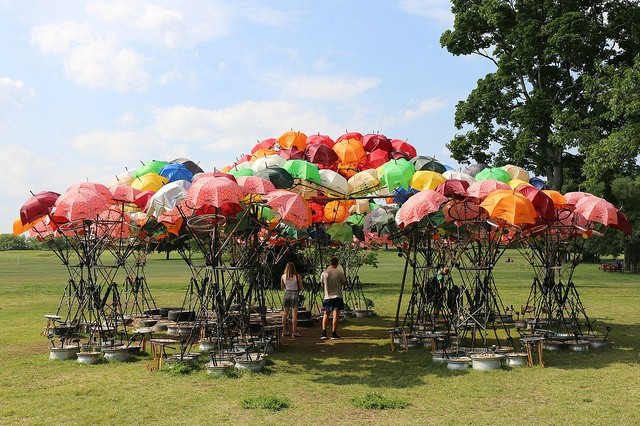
13, 93
330, 88
322, 65
424, 107
268, 16
440, 10
127, 119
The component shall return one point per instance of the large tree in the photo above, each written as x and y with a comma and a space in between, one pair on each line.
532, 110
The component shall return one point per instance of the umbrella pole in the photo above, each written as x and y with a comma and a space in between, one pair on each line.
404, 278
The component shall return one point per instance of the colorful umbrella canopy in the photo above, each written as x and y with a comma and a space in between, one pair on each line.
292, 208
397, 174
321, 154
278, 176
426, 179
516, 172
175, 171
268, 144
167, 197
301, 169
419, 206
375, 159
495, 173
596, 209
403, 147
473, 169
342, 232
149, 182
124, 178
455, 174
350, 135
37, 206
481, 188
321, 139
510, 206
516, 183
290, 139
236, 173
150, 167
349, 151
124, 193
363, 182
292, 153
428, 163
333, 183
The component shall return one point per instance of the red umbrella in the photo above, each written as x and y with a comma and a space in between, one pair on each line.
214, 192
80, 202
317, 212
480, 189
396, 154
375, 159
596, 209
320, 154
292, 208
265, 144
453, 188
114, 223
124, 193
404, 147
543, 204
292, 153
373, 141
142, 199
255, 185
624, 224
350, 135
37, 206
418, 206
322, 139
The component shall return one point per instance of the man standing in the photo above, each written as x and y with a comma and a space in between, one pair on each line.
332, 280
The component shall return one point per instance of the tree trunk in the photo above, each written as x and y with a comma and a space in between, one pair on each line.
167, 258
555, 172
632, 256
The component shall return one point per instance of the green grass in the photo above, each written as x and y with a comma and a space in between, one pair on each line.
375, 401
319, 380
271, 403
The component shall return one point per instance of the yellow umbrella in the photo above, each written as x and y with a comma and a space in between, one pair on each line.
426, 179
149, 182
515, 183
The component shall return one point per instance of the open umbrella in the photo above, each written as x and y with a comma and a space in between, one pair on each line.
175, 171
304, 170
222, 175
261, 153
375, 159
214, 192
495, 173
236, 173
349, 151
79, 203
574, 197
321, 154
397, 174
321, 139
428, 163
190, 165
464, 210
336, 211
347, 169
374, 141
624, 224
150, 167
456, 174
597, 209
473, 169
291, 139
350, 135
113, 222
363, 182
540, 200
426, 179
510, 206
292, 153
538, 183
342, 232
558, 198
333, 183
124, 193
516, 183
453, 188
255, 185
277, 176
516, 172
124, 178
37, 206
269, 161
269, 144
167, 197
419, 206
317, 212
149, 182
481, 188
292, 208
381, 221
403, 147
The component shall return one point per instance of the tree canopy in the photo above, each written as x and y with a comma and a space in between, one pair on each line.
533, 110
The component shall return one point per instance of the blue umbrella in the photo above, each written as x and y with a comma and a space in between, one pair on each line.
175, 171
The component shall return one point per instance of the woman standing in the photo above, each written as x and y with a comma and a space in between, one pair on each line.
291, 282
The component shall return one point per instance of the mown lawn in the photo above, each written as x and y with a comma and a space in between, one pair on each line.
319, 379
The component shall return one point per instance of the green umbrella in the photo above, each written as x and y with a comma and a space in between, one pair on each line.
302, 169
151, 167
341, 232
495, 173
397, 173
236, 173
356, 218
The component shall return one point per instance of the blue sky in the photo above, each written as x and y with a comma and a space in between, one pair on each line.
90, 88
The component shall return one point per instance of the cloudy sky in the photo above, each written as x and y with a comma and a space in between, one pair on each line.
91, 88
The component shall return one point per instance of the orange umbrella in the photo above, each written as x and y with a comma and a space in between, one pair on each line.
336, 211
347, 170
510, 206
261, 153
349, 151
289, 139
558, 198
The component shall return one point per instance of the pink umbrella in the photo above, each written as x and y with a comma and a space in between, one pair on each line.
80, 202
463, 210
453, 188
293, 153
124, 193
97, 187
418, 206
596, 209
213, 191
114, 223
255, 185
214, 175
480, 189
574, 197
292, 208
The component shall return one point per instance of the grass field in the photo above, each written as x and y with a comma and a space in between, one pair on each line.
319, 379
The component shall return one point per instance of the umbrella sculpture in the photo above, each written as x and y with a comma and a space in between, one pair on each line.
419, 206
292, 208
